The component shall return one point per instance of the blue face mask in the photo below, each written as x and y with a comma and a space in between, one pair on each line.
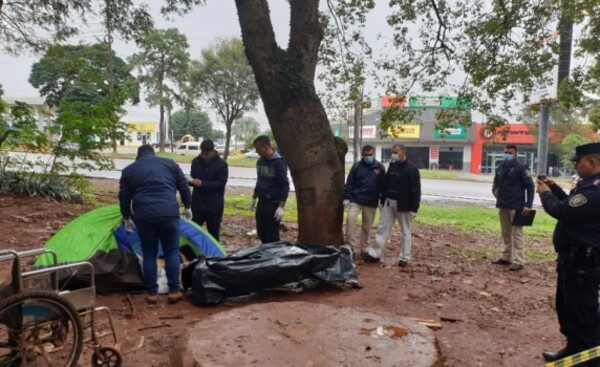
369, 159
508, 157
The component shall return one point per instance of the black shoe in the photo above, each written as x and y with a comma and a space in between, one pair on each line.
368, 258
515, 266
555, 356
402, 263
501, 262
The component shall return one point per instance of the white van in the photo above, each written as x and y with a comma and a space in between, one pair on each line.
192, 147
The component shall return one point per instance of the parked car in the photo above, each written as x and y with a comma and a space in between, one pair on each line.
220, 148
157, 144
192, 147
251, 154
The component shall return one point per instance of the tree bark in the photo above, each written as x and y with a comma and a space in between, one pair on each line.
285, 79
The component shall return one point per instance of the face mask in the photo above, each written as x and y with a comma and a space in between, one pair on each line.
369, 159
508, 157
395, 157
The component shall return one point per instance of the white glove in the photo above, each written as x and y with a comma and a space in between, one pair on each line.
346, 203
252, 204
187, 213
412, 215
129, 225
278, 214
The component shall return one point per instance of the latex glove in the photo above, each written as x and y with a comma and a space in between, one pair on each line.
412, 215
346, 203
187, 213
253, 204
278, 214
129, 225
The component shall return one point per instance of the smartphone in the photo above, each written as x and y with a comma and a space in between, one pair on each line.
541, 177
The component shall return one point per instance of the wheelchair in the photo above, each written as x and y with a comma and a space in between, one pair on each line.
42, 325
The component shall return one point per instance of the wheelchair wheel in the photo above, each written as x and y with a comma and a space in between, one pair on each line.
107, 357
39, 328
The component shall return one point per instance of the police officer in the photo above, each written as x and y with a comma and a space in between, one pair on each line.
513, 189
577, 242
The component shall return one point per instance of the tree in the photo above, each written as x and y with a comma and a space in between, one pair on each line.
568, 147
34, 24
197, 123
163, 58
245, 129
227, 83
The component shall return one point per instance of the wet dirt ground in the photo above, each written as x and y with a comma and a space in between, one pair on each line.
489, 315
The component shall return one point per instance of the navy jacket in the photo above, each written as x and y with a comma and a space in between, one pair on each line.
272, 183
364, 183
578, 214
403, 184
151, 184
210, 196
513, 181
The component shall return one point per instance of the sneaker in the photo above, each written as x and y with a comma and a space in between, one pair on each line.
347, 250
515, 266
402, 263
174, 297
152, 299
501, 262
368, 258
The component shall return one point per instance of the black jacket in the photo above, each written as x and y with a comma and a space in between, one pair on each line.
513, 181
364, 183
272, 183
151, 184
578, 214
403, 184
210, 196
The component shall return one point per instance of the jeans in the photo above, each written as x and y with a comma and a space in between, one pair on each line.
165, 230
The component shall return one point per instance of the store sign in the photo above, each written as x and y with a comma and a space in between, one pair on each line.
368, 132
459, 132
439, 102
142, 126
404, 131
434, 152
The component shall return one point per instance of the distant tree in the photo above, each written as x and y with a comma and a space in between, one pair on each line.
197, 123
163, 59
18, 127
568, 147
227, 82
245, 129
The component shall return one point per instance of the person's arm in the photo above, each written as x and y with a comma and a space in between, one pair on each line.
125, 196
574, 208
349, 183
529, 187
182, 186
219, 181
282, 181
415, 188
495, 185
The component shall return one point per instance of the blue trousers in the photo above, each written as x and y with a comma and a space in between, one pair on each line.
165, 230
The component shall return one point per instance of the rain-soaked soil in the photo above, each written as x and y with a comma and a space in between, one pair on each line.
489, 315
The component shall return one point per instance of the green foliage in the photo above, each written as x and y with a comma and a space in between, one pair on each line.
568, 147
227, 82
246, 129
18, 127
197, 123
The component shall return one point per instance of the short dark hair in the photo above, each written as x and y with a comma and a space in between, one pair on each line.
367, 148
262, 140
510, 146
207, 145
401, 146
145, 148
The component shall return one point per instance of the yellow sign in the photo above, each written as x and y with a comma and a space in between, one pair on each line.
404, 131
148, 127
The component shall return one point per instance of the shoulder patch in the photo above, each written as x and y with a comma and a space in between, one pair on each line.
577, 200
528, 173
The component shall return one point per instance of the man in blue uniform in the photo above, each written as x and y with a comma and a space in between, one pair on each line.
577, 242
514, 191
271, 190
149, 186
209, 176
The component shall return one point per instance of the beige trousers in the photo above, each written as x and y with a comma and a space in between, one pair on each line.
368, 216
512, 237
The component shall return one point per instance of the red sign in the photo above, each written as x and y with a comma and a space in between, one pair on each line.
393, 101
434, 152
509, 134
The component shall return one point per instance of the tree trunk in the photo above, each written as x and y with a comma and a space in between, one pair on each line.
285, 79
228, 125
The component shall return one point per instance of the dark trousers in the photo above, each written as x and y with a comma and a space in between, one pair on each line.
577, 299
165, 230
212, 220
267, 227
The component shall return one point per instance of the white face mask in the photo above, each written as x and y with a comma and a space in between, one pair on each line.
395, 157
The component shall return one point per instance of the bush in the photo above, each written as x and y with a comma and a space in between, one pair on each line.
31, 183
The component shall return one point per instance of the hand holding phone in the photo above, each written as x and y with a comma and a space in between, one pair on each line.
542, 177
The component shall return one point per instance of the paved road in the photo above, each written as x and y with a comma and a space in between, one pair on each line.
439, 192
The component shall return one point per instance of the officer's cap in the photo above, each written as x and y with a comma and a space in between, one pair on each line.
580, 151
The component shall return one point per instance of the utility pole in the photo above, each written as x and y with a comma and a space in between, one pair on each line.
108, 39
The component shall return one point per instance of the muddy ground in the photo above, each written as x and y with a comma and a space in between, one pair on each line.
490, 316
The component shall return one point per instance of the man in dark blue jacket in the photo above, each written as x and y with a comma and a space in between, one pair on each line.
514, 191
401, 198
362, 194
149, 186
209, 176
577, 242
271, 190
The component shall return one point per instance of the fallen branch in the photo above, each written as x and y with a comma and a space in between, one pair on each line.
171, 317
154, 326
130, 301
